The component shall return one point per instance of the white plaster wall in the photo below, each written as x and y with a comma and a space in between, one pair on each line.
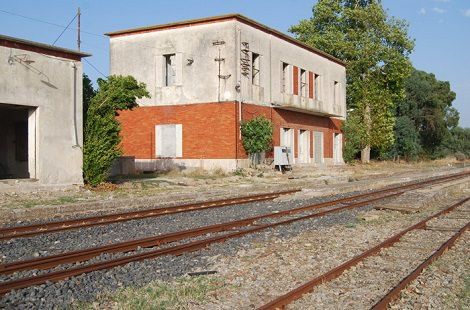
273, 51
46, 84
140, 55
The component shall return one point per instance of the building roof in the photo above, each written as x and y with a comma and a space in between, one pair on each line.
222, 18
41, 48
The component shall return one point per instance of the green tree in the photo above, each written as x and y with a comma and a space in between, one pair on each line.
101, 146
459, 141
376, 49
429, 104
88, 93
257, 135
407, 144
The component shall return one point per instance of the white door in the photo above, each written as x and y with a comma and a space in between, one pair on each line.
287, 139
318, 146
338, 148
304, 146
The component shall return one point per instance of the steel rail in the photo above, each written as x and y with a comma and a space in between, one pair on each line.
5, 287
35, 229
395, 292
191, 246
282, 301
81, 255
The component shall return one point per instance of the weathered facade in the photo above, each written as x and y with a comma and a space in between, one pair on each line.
206, 76
40, 113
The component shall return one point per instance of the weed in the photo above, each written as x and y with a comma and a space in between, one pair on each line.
179, 294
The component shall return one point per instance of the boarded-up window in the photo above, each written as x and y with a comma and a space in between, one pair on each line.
169, 140
170, 69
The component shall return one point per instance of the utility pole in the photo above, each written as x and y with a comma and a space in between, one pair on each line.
78, 28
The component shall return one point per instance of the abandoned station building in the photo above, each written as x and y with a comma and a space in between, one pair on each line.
206, 76
40, 113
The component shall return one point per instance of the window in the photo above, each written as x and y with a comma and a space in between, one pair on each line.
170, 69
169, 140
303, 83
336, 93
255, 69
317, 86
284, 80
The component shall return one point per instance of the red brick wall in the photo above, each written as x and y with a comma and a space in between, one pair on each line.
210, 130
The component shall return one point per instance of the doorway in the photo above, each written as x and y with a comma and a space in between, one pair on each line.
15, 141
338, 148
318, 146
304, 146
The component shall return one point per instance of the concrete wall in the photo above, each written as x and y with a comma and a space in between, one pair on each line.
46, 85
274, 51
197, 81
141, 55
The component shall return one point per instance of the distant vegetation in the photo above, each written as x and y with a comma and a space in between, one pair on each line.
394, 110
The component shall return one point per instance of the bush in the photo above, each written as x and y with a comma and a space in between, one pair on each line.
257, 135
101, 143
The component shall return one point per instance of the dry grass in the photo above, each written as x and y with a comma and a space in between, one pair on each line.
179, 294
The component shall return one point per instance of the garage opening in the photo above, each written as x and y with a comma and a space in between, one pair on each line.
16, 158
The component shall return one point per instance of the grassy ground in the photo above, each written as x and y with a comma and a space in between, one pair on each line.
178, 294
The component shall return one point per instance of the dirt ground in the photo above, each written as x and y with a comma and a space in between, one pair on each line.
145, 190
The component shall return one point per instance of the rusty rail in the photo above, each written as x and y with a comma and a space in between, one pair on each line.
192, 246
35, 229
81, 255
282, 301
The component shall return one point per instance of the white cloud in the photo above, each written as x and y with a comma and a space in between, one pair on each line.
466, 13
422, 11
439, 10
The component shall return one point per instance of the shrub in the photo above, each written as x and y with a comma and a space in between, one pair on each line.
257, 135
101, 143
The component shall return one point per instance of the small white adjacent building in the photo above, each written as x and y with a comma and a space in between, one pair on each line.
41, 127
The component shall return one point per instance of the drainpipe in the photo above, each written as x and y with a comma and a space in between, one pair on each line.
75, 127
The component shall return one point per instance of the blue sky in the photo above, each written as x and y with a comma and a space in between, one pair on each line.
441, 28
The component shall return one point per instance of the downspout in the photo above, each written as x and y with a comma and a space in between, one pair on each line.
238, 110
75, 127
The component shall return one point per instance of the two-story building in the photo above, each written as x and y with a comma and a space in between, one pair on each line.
208, 75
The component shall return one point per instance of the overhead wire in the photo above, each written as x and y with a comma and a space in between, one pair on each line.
89, 33
66, 27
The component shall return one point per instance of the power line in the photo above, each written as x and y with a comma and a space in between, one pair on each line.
52, 24
96, 69
65, 29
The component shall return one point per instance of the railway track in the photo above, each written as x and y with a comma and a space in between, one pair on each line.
393, 263
36, 229
230, 230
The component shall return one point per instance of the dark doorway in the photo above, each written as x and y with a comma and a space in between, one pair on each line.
14, 142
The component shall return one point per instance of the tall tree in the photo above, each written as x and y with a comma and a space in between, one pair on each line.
102, 138
376, 49
429, 104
